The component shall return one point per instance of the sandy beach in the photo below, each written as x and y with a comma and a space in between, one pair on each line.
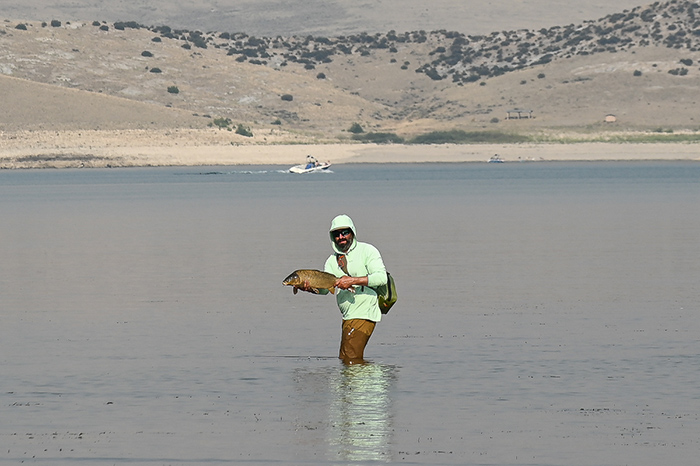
132, 148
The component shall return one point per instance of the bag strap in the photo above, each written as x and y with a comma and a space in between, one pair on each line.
342, 262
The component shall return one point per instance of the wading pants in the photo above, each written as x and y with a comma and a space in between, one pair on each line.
356, 333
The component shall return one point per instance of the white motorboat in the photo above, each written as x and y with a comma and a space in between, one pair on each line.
311, 166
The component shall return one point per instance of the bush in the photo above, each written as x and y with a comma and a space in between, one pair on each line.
173, 90
378, 138
244, 131
463, 137
321, 76
155, 70
287, 97
637, 73
21, 27
221, 123
55, 23
121, 25
104, 27
146, 53
355, 128
277, 122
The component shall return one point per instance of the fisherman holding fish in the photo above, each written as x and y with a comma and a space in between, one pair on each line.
359, 268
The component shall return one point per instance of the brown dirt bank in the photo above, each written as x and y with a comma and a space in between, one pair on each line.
187, 147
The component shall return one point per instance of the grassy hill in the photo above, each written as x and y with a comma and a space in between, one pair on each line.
640, 65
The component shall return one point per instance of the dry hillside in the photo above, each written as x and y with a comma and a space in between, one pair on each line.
641, 65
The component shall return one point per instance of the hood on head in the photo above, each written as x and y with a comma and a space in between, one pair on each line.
338, 223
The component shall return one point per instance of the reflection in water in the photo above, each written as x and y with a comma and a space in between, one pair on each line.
359, 424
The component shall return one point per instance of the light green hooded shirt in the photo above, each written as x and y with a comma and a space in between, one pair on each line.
362, 259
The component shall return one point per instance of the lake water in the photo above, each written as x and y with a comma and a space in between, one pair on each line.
547, 315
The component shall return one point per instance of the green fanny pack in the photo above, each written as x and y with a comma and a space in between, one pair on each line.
386, 294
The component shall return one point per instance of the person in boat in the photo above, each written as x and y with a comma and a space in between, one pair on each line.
359, 268
311, 162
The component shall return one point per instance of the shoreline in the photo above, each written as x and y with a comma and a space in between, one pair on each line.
142, 148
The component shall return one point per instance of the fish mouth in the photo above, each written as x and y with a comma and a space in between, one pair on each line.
292, 278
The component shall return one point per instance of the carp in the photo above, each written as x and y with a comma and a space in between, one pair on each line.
316, 279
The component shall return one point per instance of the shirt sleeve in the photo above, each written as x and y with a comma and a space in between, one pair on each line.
376, 271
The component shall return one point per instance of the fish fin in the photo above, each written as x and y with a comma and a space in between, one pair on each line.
296, 290
332, 290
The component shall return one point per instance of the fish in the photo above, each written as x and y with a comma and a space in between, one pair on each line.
316, 278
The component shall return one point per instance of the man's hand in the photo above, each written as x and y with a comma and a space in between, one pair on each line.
345, 282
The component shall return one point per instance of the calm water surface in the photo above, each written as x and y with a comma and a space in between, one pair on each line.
548, 315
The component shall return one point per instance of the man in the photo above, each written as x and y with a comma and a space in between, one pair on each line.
360, 268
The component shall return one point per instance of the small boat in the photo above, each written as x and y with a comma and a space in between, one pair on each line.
496, 159
311, 166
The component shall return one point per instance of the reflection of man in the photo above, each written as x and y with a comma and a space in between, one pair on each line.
360, 268
350, 408
360, 427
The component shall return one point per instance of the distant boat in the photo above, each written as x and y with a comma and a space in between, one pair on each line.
312, 165
496, 159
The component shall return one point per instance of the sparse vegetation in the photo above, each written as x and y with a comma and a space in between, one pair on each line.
244, 130
221, 123
458, 136
378, 138
439, 60
356, 128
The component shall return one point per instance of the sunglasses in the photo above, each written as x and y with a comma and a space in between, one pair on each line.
339, 233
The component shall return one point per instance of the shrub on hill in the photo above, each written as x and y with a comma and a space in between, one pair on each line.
287, 97
356, 128
244, 131
458, 136
221, 123
378, 138
122, 25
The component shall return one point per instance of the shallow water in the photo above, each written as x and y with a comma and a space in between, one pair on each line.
547, 315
